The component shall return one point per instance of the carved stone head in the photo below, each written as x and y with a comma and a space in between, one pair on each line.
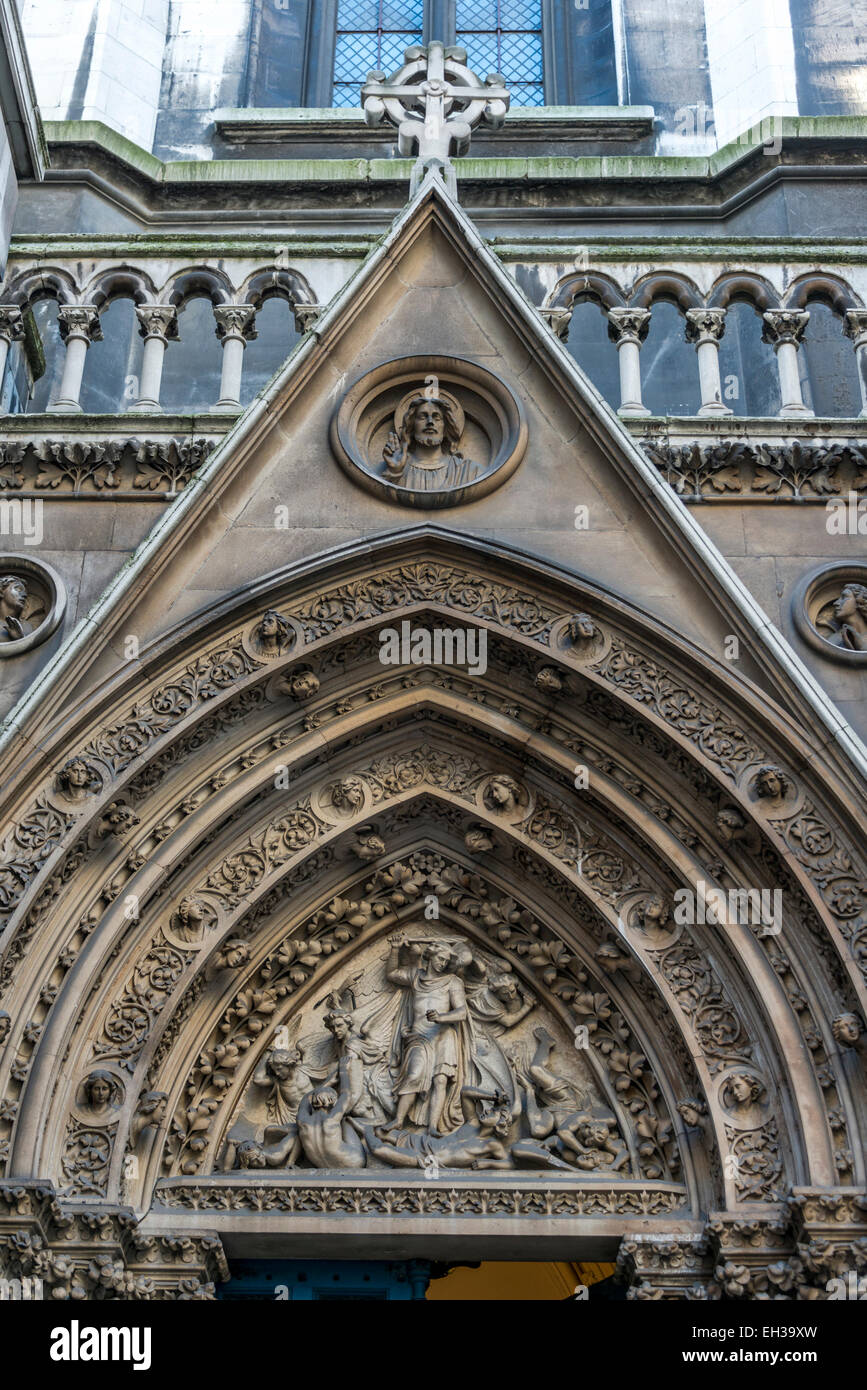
348, 794
101, 1093
5, 1025
548, 681
190, 919
692, 1112
742, 1091
13, 597
772, 783
78, 779
731, 824
303, 685
581, 628
249, 1154
477, 840
273, 635
846, 1029
503, 795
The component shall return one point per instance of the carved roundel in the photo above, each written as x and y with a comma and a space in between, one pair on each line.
32, 603
830, 611
429, 431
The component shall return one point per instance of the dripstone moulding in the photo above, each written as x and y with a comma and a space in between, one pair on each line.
32, 603
430, 431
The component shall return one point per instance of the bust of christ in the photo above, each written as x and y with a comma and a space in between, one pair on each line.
422, 452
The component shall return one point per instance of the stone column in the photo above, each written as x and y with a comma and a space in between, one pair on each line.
11, 331
784, 330
704, 328
79, 327
235, 328
855, 327
158, 323
628, 329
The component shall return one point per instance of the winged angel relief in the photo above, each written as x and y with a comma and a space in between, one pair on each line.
434, 1056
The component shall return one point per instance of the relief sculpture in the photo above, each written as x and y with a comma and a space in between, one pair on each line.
436, 1055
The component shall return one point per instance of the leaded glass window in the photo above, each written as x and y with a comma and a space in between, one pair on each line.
371, 36
504, 36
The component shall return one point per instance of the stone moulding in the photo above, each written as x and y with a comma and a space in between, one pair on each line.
756, 469
456, 1195
117, 468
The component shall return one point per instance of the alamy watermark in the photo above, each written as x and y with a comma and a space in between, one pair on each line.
22, 516
736, 907
439, 646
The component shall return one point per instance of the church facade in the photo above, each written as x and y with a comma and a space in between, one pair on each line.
433, 630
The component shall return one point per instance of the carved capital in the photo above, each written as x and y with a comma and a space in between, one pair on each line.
11, 323
306, 315
665, 1267
854, 326
705, 325
157, 321
628, 325
235, 321
558, 320
784, 326
79, 321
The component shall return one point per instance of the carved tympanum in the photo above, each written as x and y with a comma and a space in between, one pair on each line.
435, 1056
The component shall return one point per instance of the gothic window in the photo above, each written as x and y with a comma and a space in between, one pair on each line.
371, 36
502, 36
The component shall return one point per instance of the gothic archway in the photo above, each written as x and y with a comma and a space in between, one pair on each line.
223, 838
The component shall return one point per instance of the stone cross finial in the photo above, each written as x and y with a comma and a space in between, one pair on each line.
436, 102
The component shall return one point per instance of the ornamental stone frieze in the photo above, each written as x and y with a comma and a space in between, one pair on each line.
752, 469
116, 467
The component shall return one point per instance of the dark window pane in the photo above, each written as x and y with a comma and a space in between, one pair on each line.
47, 387
372, 36
191, 375
748, 367
669, 368
830, 364
505, 36
112, 368
265, 354
594, 351
277, 54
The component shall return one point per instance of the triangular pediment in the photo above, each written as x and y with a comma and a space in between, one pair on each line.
539, 461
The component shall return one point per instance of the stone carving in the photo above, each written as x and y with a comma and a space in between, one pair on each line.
347, 795
478, 840
5, 1025
652, 919
273, 636
829, 607
191, 920
100, 1096
425, 1063
119, 466
693, 1112
849, 622
149, 1115
367, 844
772, 786
548, 681
847, 1029
435, 101
796, 469
744, 1096
78, 779
505, 797
429, 432
116, 820
422, 451
302, 685
13, 599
